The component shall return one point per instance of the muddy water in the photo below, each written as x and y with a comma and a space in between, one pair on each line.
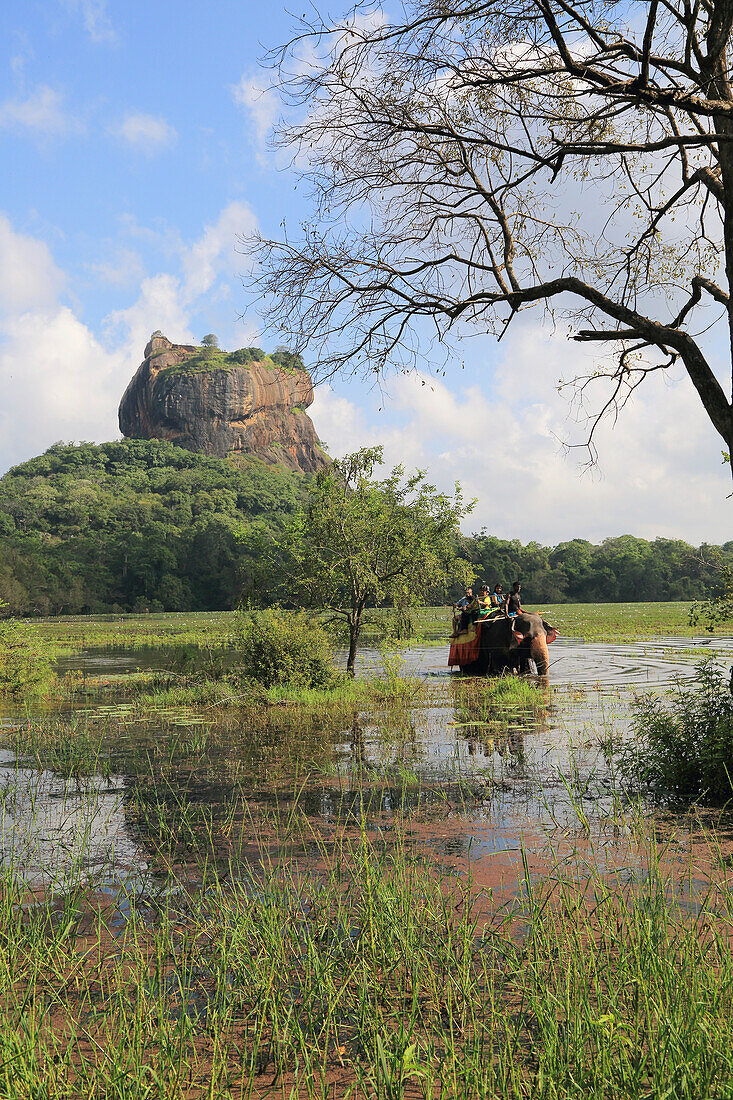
481, 794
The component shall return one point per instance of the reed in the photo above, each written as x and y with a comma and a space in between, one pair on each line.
376, 977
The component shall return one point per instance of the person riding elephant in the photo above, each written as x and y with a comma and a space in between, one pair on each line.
511, 643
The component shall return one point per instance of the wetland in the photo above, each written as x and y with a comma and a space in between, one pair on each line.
414, 884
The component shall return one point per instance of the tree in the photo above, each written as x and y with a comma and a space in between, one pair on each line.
210, 341
484, 156
360, 543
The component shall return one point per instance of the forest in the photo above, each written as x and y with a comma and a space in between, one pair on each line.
143, 525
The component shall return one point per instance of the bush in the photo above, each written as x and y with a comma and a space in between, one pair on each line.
684, 745
284, 647
24, 667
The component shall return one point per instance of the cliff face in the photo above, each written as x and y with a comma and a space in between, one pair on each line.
217, 405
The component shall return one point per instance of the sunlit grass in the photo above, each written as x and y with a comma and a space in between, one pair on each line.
379, 977
590, 622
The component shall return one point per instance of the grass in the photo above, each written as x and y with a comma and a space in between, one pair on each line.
600, 622
291, 937
203, 629
137, 632
375, 977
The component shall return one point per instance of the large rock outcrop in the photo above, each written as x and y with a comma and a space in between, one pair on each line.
220, 404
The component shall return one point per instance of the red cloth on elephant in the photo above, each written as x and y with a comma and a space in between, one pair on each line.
465, 653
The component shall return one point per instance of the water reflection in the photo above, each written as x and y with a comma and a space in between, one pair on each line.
475, 773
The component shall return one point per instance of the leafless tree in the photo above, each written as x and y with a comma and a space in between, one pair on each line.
482, 156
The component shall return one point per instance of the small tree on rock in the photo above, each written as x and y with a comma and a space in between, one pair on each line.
360, 543
210, 341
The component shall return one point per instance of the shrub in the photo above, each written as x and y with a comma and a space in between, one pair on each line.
684, 744
284, 647
24, 667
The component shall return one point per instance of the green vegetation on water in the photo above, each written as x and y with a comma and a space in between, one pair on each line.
291, 937
380, 978
683, 749
642, 622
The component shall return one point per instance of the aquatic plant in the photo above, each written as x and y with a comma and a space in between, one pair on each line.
24, 666
683, 749
378, 977
284, 647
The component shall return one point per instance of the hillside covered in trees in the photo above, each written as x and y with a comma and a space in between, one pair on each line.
133, 525
137, 525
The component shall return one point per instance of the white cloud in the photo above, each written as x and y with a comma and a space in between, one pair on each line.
95, 18
29, 278
160, 305
216, 250
125, 268
660, 471
146, 133
259, 100
42, 112
58, 381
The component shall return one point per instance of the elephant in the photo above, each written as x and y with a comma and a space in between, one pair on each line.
509, 644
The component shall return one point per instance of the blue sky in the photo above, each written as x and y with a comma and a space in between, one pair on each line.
134, 145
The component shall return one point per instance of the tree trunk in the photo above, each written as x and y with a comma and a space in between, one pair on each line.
718, 41
354, 632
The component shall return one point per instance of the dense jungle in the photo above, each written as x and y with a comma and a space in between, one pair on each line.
140, 525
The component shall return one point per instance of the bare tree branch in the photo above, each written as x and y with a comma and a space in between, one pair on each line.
484, 156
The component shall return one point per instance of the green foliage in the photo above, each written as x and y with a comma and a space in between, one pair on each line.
24, 668
716, 605
284, 648
360, 543
618, 570
210, 340
684, 747
207, 359
148, 526
211, 357
290, 360
136, 524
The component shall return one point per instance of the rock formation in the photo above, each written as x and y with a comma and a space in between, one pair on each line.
218, 403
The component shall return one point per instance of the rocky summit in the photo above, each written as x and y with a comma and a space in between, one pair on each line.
224, 403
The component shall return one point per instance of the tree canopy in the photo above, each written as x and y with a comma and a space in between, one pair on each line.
135, 524
478, 157
138, 524
360, 542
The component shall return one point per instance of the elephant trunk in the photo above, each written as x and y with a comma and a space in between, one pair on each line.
540, 655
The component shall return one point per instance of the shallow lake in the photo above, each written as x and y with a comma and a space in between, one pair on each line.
482, 792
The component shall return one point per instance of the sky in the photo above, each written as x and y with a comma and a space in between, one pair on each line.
134, 143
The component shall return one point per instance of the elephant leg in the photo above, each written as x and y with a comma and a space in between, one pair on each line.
540, 656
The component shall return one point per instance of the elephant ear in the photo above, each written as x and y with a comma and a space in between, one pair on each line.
519, 636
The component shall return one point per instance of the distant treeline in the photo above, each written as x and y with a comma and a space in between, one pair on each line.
142, 525
619, 570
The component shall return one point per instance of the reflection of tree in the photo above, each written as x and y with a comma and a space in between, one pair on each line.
358, 749
196, 794
490, 723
